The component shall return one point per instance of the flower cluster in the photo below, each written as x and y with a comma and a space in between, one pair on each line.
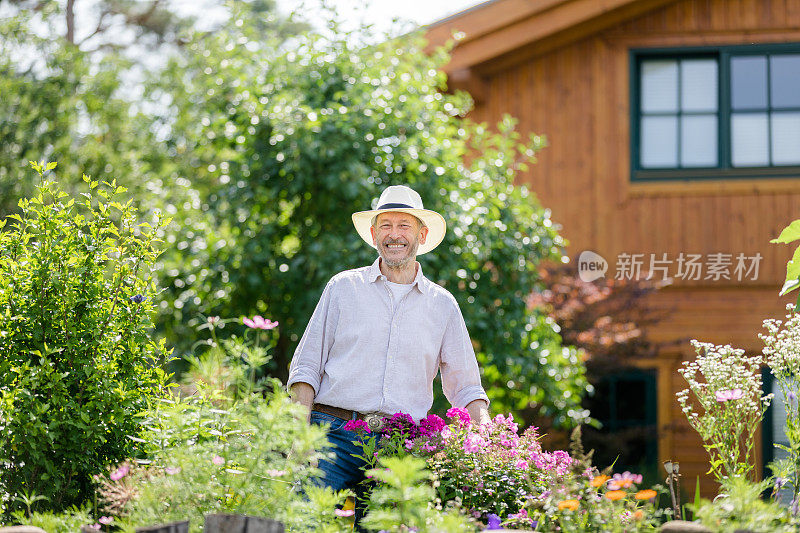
505, 478
356, 425
782, 354
595, 502
727, 385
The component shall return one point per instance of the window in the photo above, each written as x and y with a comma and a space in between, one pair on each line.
625, 404
716, 112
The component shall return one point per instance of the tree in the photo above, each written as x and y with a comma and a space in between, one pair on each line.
280, 143
65, 106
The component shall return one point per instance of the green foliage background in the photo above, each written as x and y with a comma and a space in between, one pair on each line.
260, 146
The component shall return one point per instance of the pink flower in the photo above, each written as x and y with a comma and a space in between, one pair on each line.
258, 322
522, 464
119, 473
94, 526
461, 414
726, 395
105, 520
446, 433
473, 443
344, 512
217, 460
624, 480
275, 473
172, 470
431, 425
356, 425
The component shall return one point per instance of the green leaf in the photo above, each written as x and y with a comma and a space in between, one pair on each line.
789, 234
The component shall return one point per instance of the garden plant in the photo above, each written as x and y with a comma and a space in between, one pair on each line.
77, 364
727, 384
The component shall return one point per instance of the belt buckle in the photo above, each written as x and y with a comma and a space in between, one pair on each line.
374, 421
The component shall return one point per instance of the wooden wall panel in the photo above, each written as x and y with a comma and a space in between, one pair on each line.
578, 97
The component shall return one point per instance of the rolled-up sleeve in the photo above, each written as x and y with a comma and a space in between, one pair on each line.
461, 379
312, 351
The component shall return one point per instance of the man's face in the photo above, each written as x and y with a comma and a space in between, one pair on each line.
397, 237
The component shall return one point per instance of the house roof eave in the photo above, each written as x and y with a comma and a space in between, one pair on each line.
499, 28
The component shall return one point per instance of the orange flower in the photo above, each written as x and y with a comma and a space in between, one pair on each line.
572, 505
648, 494
638, 514
599, 480
615, 495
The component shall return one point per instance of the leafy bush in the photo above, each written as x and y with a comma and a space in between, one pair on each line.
76, 362
212, 455
69, 521
740, 507
403, 501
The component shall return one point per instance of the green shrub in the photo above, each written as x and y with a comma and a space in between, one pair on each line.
214, 455
68, 521
76, 361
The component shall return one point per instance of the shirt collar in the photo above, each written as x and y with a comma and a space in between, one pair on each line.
420, 281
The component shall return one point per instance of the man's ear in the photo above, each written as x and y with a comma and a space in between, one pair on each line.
372, 232
423, 234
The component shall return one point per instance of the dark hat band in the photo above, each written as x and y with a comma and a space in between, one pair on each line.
395, 206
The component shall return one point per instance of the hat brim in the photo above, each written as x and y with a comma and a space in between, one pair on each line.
362, 220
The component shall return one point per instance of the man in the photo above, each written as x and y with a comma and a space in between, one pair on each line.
380, 334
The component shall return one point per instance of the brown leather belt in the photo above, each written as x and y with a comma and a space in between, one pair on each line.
338, 412
373, 420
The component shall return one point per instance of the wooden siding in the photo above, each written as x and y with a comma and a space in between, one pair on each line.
578, 97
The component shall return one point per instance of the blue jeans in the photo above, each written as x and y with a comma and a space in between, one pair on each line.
343, 471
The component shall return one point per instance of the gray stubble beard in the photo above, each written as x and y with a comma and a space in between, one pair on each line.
400, 263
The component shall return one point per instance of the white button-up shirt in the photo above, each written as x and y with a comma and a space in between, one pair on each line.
360, 352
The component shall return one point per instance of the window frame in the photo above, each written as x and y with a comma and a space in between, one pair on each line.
724, 168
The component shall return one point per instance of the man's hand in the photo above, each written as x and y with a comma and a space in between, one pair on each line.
303, 393
478, 411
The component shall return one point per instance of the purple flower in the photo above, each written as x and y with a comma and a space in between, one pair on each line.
792, 396
493, 521
137, 299
727, 395
105, 520
356, 425
259, 322
172, 470
94, 526
119, 473
343, 512
217, 460
400, 424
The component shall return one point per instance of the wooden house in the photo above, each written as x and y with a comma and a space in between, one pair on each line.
673, 130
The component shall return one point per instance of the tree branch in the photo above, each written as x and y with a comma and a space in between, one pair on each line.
100, 27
